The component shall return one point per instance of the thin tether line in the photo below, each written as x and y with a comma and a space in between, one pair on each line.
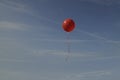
68, 47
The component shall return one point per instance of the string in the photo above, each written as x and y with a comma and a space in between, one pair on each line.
68, 47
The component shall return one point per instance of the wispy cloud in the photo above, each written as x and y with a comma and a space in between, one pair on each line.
16, 74
25, 75
93, 35
23, 8
99, 38
107, 57
104, 2
82, 56
63, 40
14, 60
13, 5
5, 25
60, 53
117, 24
89, 75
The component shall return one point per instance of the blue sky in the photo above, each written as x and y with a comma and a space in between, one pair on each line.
33, 43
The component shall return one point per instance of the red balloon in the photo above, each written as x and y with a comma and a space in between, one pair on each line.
68, 25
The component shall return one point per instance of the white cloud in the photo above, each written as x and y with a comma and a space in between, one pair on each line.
5, 25
117, 24
7, 74
13, 5
13, 60
100, 38
63, 40
93, 35
24, 75
88, 75
8, 5
88, 56
60, 53
79, 56
104, 2
12, 50
107, 57
111, 41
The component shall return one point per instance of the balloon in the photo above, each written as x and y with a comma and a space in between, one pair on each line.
68, 25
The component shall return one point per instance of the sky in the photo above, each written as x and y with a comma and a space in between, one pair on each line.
33, 45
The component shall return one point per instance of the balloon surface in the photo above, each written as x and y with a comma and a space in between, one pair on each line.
68, 25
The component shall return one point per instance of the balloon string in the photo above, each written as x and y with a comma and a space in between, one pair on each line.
68, 47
